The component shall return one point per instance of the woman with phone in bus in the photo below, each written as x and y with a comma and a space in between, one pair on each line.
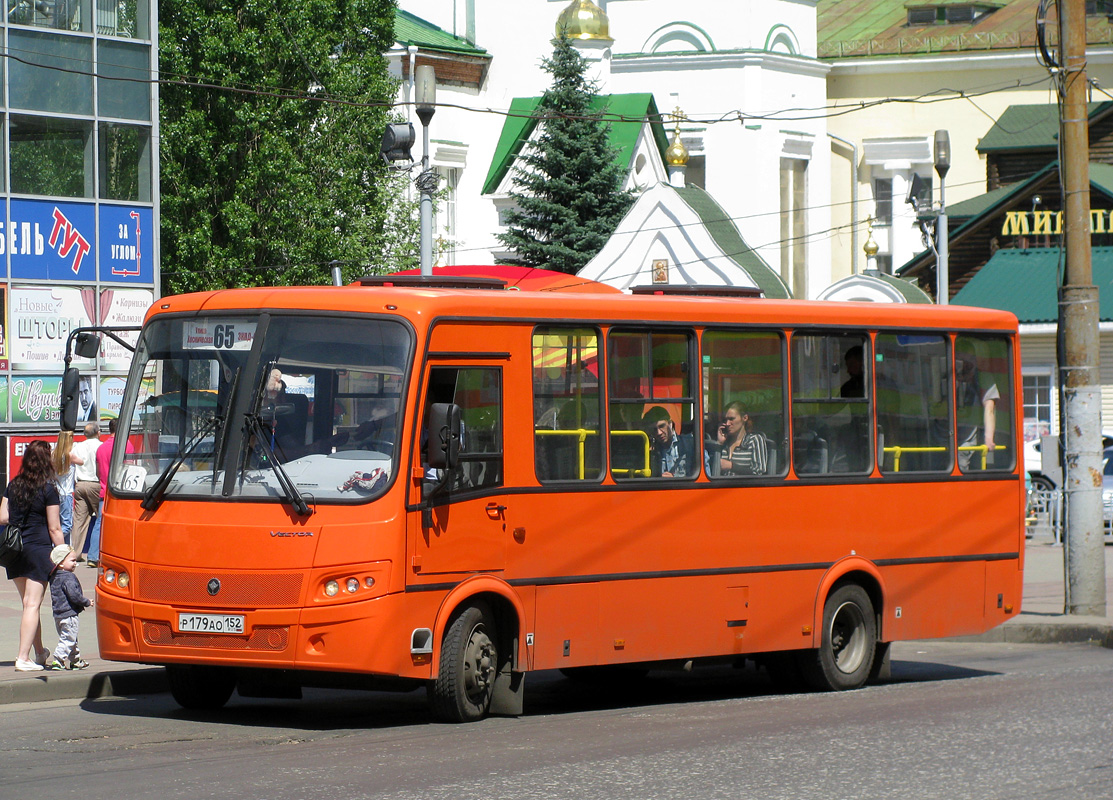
742, 451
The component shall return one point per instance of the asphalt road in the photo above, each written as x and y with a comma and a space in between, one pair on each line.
957, 720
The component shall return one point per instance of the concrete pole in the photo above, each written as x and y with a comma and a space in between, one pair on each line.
426, 206
1078, 335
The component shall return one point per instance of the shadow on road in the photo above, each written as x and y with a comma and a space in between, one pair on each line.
547, 693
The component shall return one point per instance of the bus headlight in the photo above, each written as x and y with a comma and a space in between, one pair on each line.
122, 580
352, 585
331, 588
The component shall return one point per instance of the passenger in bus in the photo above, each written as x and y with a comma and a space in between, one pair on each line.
742, 451
671, 455
855, 385
976, 399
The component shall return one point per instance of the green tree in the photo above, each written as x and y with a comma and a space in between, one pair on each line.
268, 186
567, 182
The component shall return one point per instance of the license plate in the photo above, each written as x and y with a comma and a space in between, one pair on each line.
210, 623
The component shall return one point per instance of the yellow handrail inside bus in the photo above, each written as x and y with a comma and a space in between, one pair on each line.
897, 450
645, 471
581, 435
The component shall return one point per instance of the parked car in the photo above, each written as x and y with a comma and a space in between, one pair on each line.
1033, 461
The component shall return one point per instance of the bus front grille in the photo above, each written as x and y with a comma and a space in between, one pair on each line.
232, 589
161, 634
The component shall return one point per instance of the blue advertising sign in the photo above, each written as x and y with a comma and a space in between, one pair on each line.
51, 241
126, 244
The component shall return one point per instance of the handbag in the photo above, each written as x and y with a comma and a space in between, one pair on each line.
11, 543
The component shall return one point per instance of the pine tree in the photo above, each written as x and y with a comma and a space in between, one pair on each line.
568, 182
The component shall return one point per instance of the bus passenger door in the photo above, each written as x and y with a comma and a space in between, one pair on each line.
464, 528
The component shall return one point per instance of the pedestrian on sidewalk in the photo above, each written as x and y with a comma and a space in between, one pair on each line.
31, 501
68, 601
86, 494
65, 462
103, 457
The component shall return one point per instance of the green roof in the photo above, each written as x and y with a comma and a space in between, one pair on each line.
1026, 282
626, 114
860, 28
906, 289
724, 233
1030, 127
975, 206
409, 29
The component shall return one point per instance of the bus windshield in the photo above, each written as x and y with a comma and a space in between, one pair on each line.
250, 406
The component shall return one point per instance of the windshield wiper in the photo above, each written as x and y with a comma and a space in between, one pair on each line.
290, 491
153, 496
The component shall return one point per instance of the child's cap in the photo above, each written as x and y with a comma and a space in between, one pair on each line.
59, 553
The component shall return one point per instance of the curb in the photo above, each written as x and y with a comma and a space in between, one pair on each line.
1025, 632
83, 686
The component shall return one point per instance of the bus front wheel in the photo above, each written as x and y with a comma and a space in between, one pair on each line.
201, 688
464, 685
848, 642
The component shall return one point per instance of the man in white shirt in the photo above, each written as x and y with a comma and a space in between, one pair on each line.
86, 493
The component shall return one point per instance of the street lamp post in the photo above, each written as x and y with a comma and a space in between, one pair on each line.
942, 165
426, 105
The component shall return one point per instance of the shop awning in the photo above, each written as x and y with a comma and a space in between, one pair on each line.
1026, 283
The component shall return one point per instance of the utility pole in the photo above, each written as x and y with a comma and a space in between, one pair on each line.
1080, 419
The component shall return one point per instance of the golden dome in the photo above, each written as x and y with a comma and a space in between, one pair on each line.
870, 246
677, 154
582, 19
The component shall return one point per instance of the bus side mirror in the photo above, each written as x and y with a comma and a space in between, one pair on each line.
86, 345
71, 379
444, 429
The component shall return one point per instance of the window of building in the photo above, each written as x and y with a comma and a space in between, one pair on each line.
830, 404
1037, 405
568, 441
743, 380
51, 72
696, 173
913, 403
125, 162
64, 15
125, 18
983, 408
883, 200
123, 73
51, 156
649, 380
446, 215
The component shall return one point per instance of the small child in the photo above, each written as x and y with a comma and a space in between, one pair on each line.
68, 601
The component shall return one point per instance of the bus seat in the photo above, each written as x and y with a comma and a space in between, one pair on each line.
812, 453
289, 428
772, 454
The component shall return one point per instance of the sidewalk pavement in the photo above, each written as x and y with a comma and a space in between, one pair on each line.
1041, 620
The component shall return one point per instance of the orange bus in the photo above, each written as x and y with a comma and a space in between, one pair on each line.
403, 483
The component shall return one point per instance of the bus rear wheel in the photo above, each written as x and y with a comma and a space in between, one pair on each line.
848, 642
465, 683
201, 688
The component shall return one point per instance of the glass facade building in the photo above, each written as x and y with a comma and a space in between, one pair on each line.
79, 185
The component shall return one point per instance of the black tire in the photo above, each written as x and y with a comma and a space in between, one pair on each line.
1042, 482
201, 688
469, 663
847, 645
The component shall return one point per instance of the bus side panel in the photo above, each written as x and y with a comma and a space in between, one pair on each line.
934, 600
566, 631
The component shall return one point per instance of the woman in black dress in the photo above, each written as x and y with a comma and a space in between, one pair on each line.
31, 501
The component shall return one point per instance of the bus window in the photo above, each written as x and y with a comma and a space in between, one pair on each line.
651, 405
477, 390
913, 403
567, 444
983, 403
743, 377
830, 404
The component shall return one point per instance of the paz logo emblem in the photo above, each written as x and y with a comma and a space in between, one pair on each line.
214, 586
